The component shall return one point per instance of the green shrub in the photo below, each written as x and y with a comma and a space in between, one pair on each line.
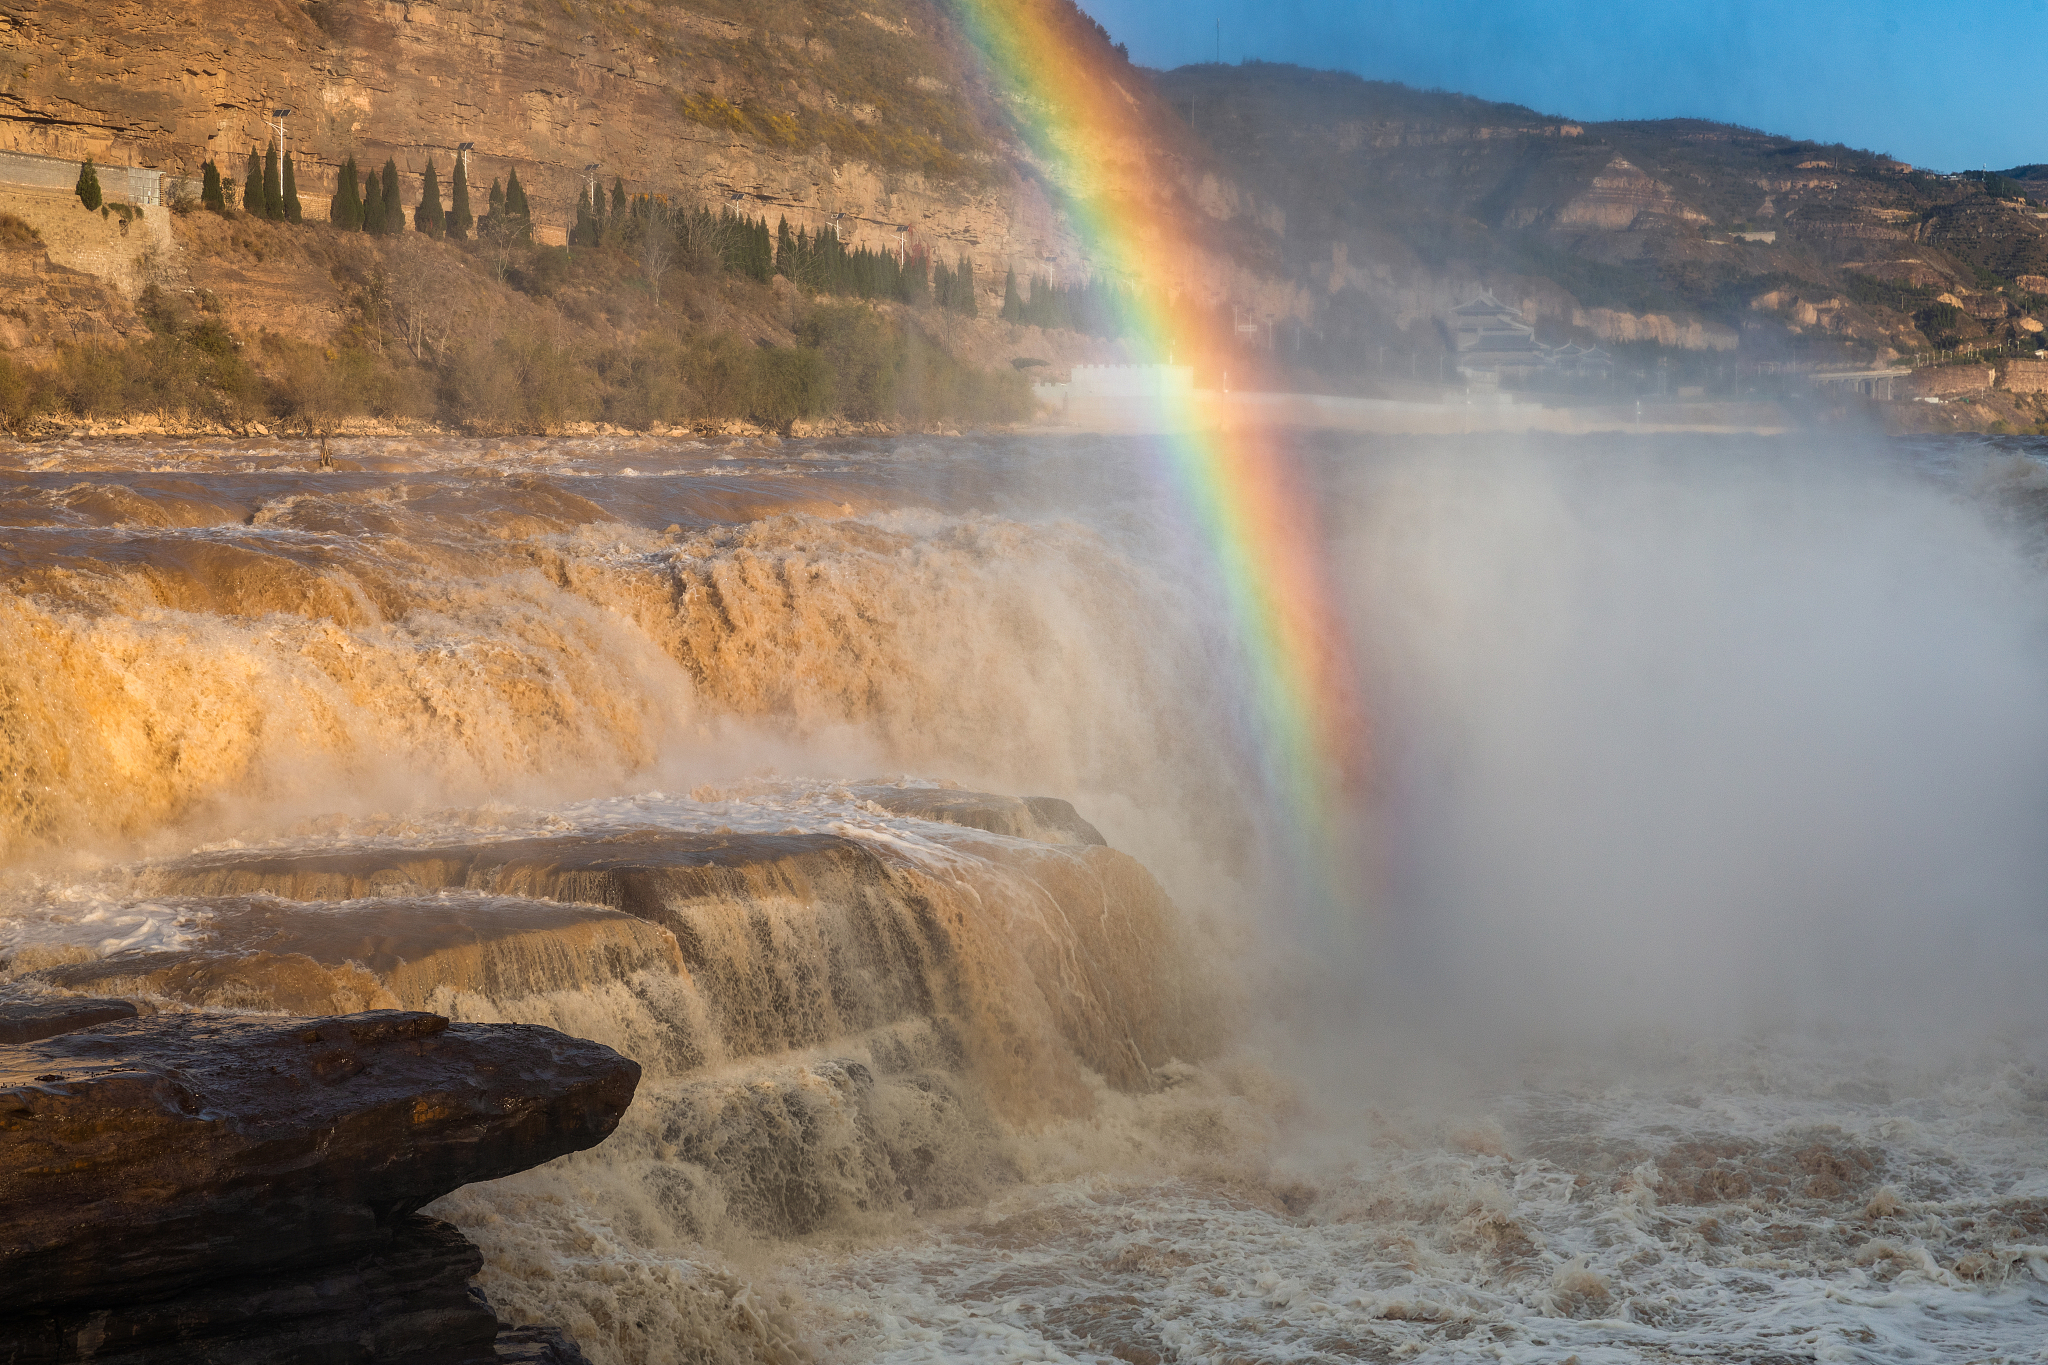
92, 379
864, 353
721, 372
544, 271
522, 381
789, 382
88, 187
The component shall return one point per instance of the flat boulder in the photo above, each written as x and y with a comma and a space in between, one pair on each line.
28, 1020
144, 1156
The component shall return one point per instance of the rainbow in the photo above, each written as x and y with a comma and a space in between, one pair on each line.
1242, 488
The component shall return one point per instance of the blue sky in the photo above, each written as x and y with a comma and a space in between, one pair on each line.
1948, 84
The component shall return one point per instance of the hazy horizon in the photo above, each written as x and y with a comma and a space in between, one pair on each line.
1885, 77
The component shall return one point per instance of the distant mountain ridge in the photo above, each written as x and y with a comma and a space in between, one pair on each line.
1400, 202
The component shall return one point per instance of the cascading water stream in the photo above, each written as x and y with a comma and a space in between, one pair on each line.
1679, 1018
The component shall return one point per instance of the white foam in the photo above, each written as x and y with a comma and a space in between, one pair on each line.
96, 920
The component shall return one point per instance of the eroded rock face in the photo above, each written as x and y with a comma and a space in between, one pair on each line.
141, 1157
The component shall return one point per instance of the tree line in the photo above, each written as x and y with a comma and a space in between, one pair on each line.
650, 226
369, 202
270, 187
1096, 307
661, 235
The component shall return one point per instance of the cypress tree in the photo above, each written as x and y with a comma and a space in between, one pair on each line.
252, 184
394, 207
913, 278
460, 219
1013, 307
273, 186
585, 232
209, 188
373, 205
518, 216
497, 198
428, 218
292, 212
618, 196
88, 186
963, 289
346, 209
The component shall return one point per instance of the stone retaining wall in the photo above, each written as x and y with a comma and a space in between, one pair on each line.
105, 245
2026, 376
1938, 381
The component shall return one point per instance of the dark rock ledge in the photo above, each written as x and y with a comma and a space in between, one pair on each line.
234, 1190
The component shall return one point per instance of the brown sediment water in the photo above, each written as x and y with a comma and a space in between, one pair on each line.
254, 631
404, 697
889, 802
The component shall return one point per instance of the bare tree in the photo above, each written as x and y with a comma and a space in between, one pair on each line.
702, 239
657, 244
497, 234
312, 391
419, 289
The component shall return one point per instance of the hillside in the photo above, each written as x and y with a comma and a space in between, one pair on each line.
870, 118
870, 122
1741, 247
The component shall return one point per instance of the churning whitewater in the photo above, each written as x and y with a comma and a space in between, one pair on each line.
894, 804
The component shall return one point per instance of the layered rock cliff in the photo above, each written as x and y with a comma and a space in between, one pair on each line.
870, 119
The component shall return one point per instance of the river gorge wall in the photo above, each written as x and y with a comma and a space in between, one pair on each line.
873, 123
